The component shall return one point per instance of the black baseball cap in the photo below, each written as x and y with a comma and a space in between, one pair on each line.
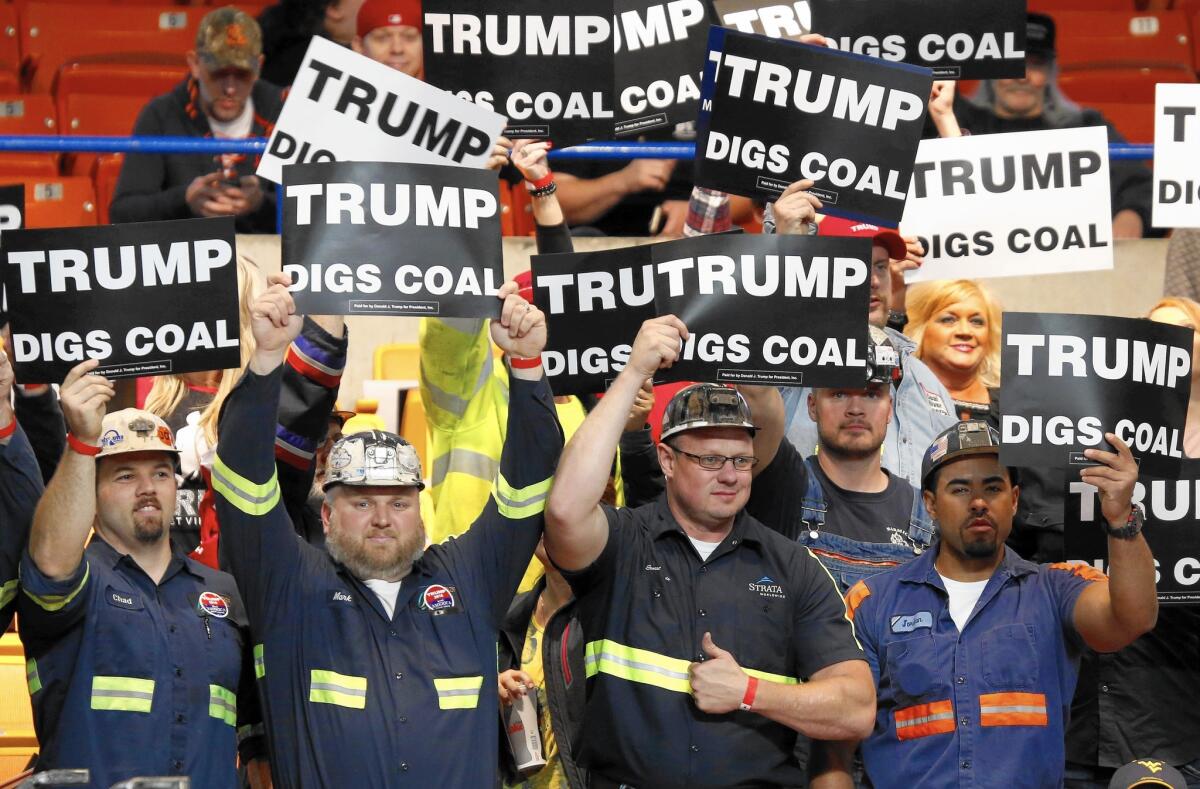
1147, 773
1039, 35
962, 439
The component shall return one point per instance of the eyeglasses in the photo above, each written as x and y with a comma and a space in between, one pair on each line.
717, 462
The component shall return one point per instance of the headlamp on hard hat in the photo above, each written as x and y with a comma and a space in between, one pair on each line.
883, 360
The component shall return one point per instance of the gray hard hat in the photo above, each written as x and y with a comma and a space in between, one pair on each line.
705, 405
375, 458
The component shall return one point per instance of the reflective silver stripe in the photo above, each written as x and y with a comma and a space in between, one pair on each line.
462, 692
1013, 708
122, 694
223, 704
443, 399
339, 689
637, 665
524, 502
938, 716
464, 461
242, 494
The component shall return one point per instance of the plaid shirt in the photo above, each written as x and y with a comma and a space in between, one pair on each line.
708, 212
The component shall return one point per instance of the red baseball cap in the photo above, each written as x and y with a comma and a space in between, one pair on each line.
882, 236
381, 13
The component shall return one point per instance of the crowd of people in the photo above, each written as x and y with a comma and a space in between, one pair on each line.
790, 587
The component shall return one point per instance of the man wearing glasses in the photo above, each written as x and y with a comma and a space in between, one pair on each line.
701, 623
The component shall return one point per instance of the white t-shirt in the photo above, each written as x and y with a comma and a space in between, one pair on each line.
963, 597
386, 591
703, 548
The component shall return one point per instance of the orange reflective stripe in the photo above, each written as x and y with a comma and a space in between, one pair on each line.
924, 720
1013, 709
855, 596
864, 562
1084, 571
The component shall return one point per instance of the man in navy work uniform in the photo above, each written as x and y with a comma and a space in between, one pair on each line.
20, 488
975, 650
700, 621
856, 517
377, 660
138, 657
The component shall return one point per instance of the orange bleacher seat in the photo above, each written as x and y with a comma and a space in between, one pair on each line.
506, 209
1126, 38
1088, 85
10, 39
53, 33
105, 171
28, 114
1053, 7
522, 211
1134, 121
98, 96
17, 740
64, 201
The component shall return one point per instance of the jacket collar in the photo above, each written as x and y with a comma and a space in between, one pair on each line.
922, 570
663, 522
113, 559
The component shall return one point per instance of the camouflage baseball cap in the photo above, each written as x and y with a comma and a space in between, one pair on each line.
134, 430
229, 38
375, 458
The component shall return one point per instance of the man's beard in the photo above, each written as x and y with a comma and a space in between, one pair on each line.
365, 565
149, 530
829, 443
985, 549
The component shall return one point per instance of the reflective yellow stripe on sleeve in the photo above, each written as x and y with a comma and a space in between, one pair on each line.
222, 704
8, 592
249, 497
56, 602
520, 502
32, 679
260, 667
651, 668
127, 694
458, 693
330, 687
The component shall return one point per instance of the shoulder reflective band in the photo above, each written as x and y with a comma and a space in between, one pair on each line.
458, 693
56, 602
31, 676
924, 720
1013, 709
651, 668
8, 592
128, 694
330, 687
520, 502
247, 496
260, 668
222, 704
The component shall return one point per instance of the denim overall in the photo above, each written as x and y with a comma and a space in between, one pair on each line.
849, 561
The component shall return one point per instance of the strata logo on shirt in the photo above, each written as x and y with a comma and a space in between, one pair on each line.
766, 587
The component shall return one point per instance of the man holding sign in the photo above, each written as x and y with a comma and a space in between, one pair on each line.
976, 651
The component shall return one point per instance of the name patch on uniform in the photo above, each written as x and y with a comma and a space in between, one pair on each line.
438, 599
766, 587
123, 599
910, 622
338, 596
213, 604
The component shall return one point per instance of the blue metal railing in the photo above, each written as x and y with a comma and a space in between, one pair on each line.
591, 150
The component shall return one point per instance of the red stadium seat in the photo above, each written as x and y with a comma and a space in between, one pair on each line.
506, 210
1053, 7
66, 201
1089, 85
99, 96
105, 171
522, 209
28, 114
10, 39
53, 33
1126, 38
1134, 121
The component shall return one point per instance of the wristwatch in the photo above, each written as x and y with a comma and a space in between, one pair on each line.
1132, 527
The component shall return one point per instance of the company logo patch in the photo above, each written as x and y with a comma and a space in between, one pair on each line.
164, 435
213, 604
438, 599
111, 438
766, 587
907, 623
340, 459
1152, 766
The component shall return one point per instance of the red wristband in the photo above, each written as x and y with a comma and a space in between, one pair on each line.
542, 182
751, 689
81, 447
518, 363
9, 429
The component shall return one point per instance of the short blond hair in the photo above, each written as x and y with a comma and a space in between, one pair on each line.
926, 301
1184, 305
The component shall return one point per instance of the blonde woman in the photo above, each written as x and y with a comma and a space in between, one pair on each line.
956, 326
1179, 311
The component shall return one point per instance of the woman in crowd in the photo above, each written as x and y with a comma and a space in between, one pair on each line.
1179, 311
956, 326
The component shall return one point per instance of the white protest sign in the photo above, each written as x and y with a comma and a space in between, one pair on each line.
1001, 205
344, 106
1176, 167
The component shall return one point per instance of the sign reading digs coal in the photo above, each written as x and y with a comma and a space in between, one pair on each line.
367, 238
146, 298
1176, 170
1069, 379
774, 111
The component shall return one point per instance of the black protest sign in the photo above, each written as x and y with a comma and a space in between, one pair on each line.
660, 48
774, 111
1069, 379
771, 310
374, 238
12, 217
147, 298
1172, 529
550, 73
